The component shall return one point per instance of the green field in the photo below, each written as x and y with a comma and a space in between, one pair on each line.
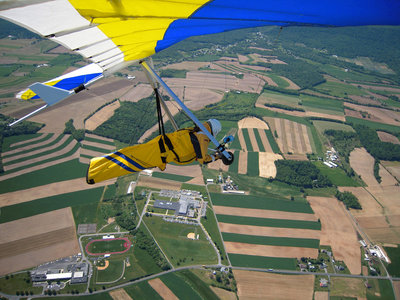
234, 167
31, 208
180, 287
339, 89
142, 290
94, 140
68, 154
247, 139
374, 125
321, 126
8, 141
97, 149
264, 222
252, 261
35, 148
113, 271
336, 175
105, 246
267, 240
65, 171
27, 158
174, 177
252, 164
181, 251
197, 284
260, 203
258, 138
272, 141
394, 255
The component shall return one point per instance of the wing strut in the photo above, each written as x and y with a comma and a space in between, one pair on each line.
157, 78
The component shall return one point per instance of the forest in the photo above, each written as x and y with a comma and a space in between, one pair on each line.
378, 149
300, 173
348, 199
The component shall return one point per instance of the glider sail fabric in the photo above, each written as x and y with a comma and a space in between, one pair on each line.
115, 33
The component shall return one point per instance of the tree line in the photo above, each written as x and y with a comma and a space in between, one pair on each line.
300, 173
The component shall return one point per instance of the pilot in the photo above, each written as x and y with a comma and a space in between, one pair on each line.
181, 147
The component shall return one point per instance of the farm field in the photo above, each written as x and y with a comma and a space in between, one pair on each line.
254, 284
172, 238
28, 242
335, 222
292, 137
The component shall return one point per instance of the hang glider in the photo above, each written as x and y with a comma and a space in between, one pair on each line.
113, 34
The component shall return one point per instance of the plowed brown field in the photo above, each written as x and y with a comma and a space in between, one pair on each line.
162, 289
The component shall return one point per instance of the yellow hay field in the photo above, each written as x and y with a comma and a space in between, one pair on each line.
266, 163
263, 213
336, 223
270, 251
252, 122
101, 116
162, 289
257, 285
363, 164
242, 169
120, 294
223, 294
270, 231
159, 183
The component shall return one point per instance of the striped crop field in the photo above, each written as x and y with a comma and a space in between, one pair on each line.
247, 201
247, 139
258, 139
264, 222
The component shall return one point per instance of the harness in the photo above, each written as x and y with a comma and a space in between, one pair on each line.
164, 139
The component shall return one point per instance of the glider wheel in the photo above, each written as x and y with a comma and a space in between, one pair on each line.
228, 161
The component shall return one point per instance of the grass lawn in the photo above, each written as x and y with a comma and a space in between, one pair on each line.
65, 171
18, 282
264, 222
267, 240
210, 224
181, 251
76, 200
252, 261
252, 164
260, 203
336, 175
113, 271
142, 290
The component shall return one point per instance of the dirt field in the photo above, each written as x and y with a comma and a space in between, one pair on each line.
159, 183
369, 205
292, 136
18, 156
363, 164
393, 167
142, 90
266, 163
321, 295
265, 141
162, 289
79, 106
223, 294
218, 164
348, 287
270, 231
28, 242
386, 177
257, 285
396, 285
270, 251
242, 169
190, 170
252, 122
335, 223
187, 65
375, 114
49, 190
120, 294
101, 116
106, 264
387, 137
263, 213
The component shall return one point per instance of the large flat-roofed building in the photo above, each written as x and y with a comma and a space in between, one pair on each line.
166, 204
